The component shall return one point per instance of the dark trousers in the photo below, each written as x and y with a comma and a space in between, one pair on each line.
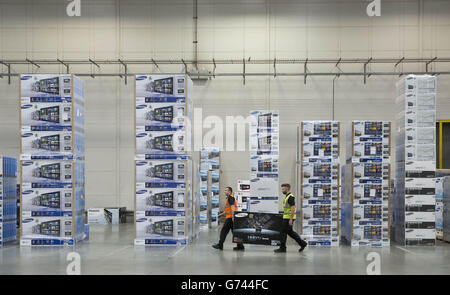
227, 226
288, 231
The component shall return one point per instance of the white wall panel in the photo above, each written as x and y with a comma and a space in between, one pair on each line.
287, 29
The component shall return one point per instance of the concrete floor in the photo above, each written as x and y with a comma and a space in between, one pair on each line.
110, 250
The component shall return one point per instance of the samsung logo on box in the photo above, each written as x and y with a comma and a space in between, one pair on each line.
26, 220
27, 192
25, 77
141, 135
141, 192
141, 78
27, 106
141, 220
141, 163
27, 163
27, 134
140, 107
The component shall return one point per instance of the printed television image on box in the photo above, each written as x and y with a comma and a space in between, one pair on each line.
319, 129
47, 171
156, 140
35, 112
257, 228
45, 85
46, 227
161, 227
43, 198
161, 171
160, 199
320, 191
161, 111
161, 86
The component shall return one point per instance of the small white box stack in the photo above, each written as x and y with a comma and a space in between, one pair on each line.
8, 199
320, 181
264, 156
242, 194
52, 160
209, 160
164, 170
366, 178
413, 205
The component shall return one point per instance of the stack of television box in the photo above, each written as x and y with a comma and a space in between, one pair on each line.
163, 161
440, 182
320, 180
413, 205
8, 199
366, 178
242, 194
264, 155
446, 209
52, 160
209, 160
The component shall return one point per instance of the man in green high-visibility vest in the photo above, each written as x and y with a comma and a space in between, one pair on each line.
288, 220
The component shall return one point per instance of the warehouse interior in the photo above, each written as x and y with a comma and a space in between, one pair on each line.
310, 60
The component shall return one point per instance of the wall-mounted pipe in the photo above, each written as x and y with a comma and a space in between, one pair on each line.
261, 74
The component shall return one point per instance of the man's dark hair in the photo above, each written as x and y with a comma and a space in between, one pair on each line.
286, 185
229, 187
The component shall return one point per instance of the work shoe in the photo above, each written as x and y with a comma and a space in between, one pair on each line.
238, 249
280, 250
302, 247
217, 246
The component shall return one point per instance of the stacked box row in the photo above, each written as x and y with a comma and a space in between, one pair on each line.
414, 205
446, 210
320, 181
8, 199
264, 157
365, 200
440, 206
209, 161
164, 166
52, 161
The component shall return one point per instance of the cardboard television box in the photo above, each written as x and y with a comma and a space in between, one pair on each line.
258, 204
44, 113
319, 130
35, 171
37, 197
46, 226
320, 147
160, 198
162, 85
106, 215
44, 85
161, 171
320, 170
161, 230
161, 111
51, 140
161, 140
257, 228
417, 84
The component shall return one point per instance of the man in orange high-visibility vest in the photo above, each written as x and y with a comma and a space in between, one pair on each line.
230, 208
